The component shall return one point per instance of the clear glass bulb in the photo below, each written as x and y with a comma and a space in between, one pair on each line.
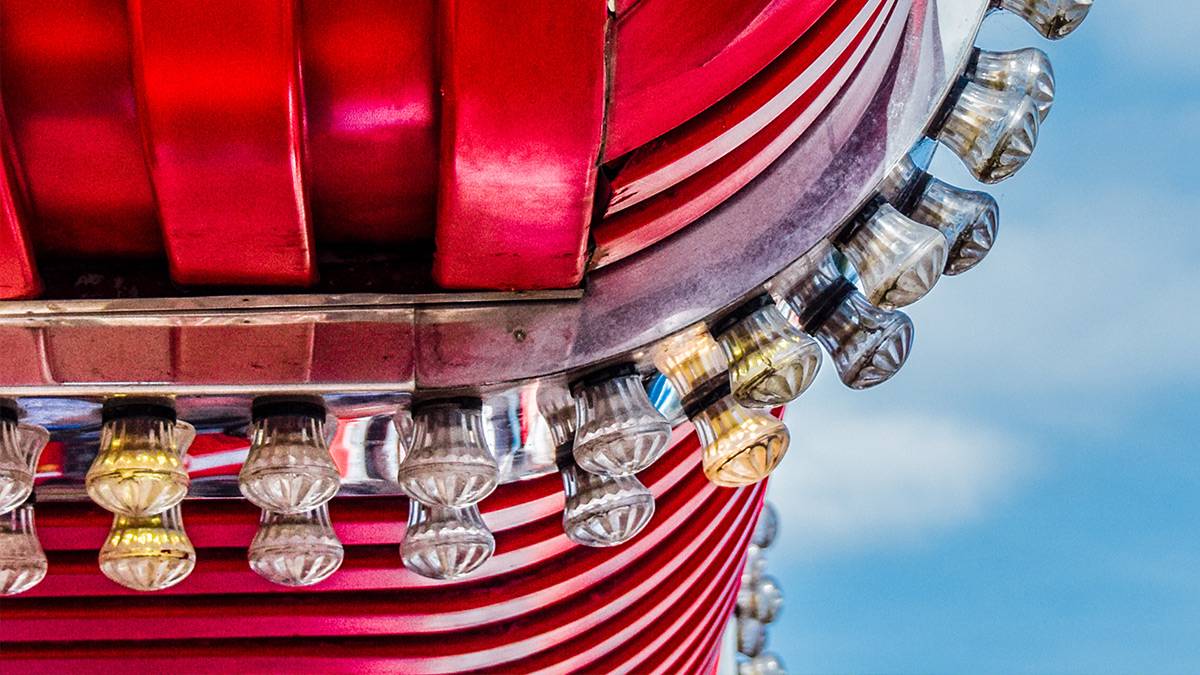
756, 564
618, 431
1025, 70
289, 468
22, 561
1054, 19
740, 446
751, 635
604, 510
760, 600
993, 132
450, 463
20, 447
296, 549
139, 470
968, 219
898, 260
445, 543
868, 345
148, 553
767, 527
770, 361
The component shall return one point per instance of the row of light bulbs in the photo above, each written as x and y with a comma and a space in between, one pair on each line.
759, 601
762, 354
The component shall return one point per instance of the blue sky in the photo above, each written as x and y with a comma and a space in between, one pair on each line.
1025, 496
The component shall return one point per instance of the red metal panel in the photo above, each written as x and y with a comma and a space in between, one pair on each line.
522, 115
221, 108
23, 356
674, 58
18, 278
363, 352
244, 354
655, 219
65, 76
371, 116
718, 130
108, 353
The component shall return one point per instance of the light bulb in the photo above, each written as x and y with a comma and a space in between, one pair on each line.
450, 463
767, 527
760, 600
741, 446
604, 510
770, 361
762, 664
22, 561
756, 564
20, 447
1054, 19
618, 430
445, 543
289, 468
296, 549
139, 470
148, 553
898, 261
751, 635
1023, 70
993, 132
968, 219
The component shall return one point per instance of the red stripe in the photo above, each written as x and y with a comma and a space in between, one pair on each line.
522, 115
221, 111
18, 278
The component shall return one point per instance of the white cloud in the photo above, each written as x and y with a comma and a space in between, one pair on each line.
857, 478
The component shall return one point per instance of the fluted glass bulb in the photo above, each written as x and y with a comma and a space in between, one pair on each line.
1054, 19
296, 549
968, 219
450, 463
898, 260
148, 553
756, 564
22, 561
740, 445
289, 468
444, 542
762, 599
993, 132
139, 470
1023, 70
604, 510
618, 430
20, 447
770, 361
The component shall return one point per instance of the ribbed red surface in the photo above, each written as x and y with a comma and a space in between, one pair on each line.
250, 142
656, 604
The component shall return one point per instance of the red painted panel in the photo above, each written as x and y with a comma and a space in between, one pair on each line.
653, 220
663, 77
372, 119
221, 108
109, 353
23, 356
65, 77
522, 115
715, 132
244, 354
363, 352
18, 278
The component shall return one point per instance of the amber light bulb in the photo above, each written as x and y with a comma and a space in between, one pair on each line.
148, 553
445, 543
618, 430
296, 549
22, 561
770, 361
20, 447
289, 468
741, 446
450, 463
139, 470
